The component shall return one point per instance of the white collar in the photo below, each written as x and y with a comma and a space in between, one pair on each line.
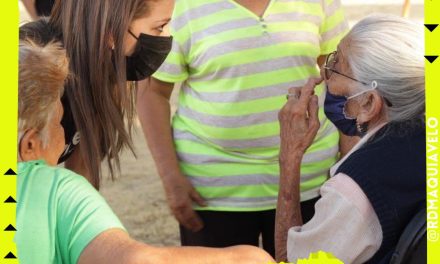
358, 145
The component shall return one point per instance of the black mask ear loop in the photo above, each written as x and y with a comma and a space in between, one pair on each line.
132, 34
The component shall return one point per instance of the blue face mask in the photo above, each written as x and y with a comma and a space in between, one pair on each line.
334, 110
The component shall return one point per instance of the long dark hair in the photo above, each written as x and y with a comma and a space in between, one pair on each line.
101, 101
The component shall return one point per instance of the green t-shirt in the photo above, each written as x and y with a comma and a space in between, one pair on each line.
58, 214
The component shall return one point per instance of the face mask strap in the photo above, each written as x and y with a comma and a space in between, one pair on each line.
132, 34
373, 87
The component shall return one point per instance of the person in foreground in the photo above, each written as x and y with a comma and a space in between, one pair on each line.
61, 218
375, 88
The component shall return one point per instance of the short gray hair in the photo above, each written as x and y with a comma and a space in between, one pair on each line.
42, 72
390, 50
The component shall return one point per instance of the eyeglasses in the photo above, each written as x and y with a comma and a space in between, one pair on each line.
329, 69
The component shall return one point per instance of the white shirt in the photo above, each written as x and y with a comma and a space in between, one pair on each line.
344, 223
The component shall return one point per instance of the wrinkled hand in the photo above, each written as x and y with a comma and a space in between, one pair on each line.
299, 122
181, 195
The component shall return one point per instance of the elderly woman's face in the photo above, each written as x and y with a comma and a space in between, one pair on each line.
338, 78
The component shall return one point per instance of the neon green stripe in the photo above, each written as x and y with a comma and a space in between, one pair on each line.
318, 181
239, 108
191, 147
252, 31
234, 209
181, 7
315, 167
334, 20
249, 132
253, 191
325, 143
248, 191
174, 58
256, 80
255, 55
198, 24
331, 44
221, 169
222, 37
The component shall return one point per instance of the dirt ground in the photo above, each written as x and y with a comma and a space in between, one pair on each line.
137, 196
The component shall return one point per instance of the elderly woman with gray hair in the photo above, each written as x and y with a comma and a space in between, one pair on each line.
375, 89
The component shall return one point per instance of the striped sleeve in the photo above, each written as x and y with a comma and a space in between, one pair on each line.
334, 26
174, 69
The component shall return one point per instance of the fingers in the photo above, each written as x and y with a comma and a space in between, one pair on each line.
313, 113
296, 92
195, 196
306, 91
190, 220
185, 214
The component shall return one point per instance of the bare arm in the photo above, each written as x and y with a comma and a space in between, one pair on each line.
299, 124
30, 7
288, 213
116, 247
154, 112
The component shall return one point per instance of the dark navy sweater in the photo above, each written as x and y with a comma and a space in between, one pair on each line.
391, 170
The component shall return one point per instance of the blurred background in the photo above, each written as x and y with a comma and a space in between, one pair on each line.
137, 196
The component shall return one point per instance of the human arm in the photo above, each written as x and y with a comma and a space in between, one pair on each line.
344, 224
88, 231
115, 246
154, 112
299, 124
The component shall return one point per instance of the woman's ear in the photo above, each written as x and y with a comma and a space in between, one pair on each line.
371, 107
30, 146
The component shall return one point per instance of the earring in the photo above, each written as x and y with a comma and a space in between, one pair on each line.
362, 128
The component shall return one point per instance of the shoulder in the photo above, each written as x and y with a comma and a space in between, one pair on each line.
53, 177
344, 188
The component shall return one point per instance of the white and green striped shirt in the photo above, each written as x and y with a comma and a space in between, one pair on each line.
236, 69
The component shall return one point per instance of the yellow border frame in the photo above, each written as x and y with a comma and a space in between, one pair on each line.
8, 107
432, 41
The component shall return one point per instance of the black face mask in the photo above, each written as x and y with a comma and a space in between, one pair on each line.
149, 54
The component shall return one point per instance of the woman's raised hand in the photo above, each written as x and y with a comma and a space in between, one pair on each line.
299, 120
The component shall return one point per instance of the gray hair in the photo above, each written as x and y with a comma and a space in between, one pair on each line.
42, 72
390, 50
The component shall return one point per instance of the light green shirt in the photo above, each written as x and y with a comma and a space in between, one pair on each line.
236, 69
58, 214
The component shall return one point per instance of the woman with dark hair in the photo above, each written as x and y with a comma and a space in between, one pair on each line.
61, 218
108, 43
